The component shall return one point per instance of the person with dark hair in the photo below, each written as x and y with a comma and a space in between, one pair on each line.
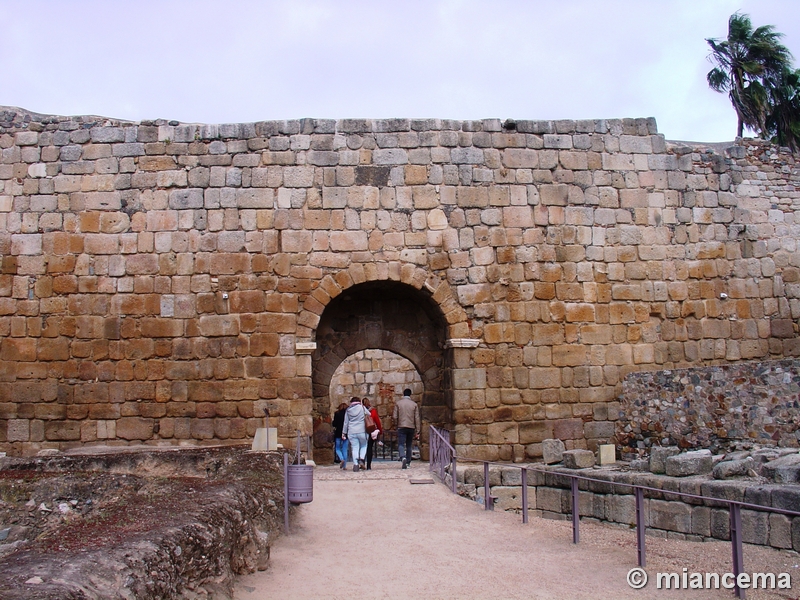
406, 419
355, 431
374, 435
340, 445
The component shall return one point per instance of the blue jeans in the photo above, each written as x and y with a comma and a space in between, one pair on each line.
405, 441
359, 443
341, 446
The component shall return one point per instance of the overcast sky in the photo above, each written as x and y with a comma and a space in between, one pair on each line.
237, 61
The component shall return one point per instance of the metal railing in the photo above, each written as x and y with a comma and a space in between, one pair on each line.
443, 457
389, 447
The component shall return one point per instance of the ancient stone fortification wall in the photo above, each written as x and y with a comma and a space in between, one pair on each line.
725, 407
162, 282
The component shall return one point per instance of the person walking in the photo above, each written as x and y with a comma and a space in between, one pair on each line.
372, 437
340, 445
355, 431
406, 419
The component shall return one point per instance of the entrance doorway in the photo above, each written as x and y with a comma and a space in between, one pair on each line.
379, 316
380, 376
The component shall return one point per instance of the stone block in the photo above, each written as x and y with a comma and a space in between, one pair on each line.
502, 432
607, 453
469, 379
532, 432
219, 325
755, 527
785, 469
135, 428
552, 451
474, 476
786, 497
780, 531
568, 429
62, 431
578, 459
553, 500
724, 490
697, 462
622, 508
554, 194
510, 497
511, 476
603, 430
701, 521
671, 516
720, 524
733, 468
18, 430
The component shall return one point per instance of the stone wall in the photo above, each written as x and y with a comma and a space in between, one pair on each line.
162, 282
726, 407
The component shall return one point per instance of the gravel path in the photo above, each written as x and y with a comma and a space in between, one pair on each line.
375, 535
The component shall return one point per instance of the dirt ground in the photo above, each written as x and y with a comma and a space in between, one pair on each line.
375, 535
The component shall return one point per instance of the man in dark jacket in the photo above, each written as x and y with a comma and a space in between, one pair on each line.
406, 419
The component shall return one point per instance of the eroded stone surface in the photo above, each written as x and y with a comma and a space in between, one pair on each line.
98, 523
552, 451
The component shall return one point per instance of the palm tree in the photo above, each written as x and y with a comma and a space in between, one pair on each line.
747, 60
784, 118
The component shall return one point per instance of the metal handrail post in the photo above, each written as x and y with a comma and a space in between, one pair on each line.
524, 495
286, 492
736, 545
576, 518
487, 494
640, 526
454, 474
434, 451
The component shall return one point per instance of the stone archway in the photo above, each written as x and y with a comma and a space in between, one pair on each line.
385, 315
379, 375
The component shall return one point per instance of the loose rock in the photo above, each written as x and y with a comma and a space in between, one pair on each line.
578, 459
698, 462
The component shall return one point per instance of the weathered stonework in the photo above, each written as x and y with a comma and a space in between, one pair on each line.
163, 283
723, 408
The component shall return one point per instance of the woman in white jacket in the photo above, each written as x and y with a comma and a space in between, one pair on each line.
355, 431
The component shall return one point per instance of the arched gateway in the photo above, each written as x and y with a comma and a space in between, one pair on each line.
385, 315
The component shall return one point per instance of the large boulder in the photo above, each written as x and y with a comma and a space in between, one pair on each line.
698, 462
